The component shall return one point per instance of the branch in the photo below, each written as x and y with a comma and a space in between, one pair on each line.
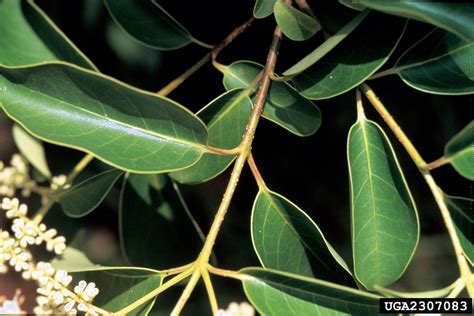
216, 50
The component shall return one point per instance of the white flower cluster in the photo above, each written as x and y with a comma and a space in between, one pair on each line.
235, 309
16, 176
54, 295
28, 232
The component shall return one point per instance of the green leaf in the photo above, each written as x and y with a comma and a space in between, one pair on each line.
295, 24
121, 286
285, 238
425, 65
81, 199
460, 151
72, 260
149, 24
30, 37
32, 149
156, 228
385, 228
263, 8
284, 105
279, 293
354, 60
327, 46
438, 293
462, 212
455, 17
226, 118
125, 127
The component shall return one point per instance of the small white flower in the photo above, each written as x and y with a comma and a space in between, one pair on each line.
12, 306
59, 182
235, 309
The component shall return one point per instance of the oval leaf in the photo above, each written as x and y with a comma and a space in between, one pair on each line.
460, 151
327, 46
81, 199
123, 126
72, 260
354, 60
285, 238
148, 23
385, 228
263, 8
295, 24
425, 65
30, 37
284, 105
156, 228
32, 149
226, 118
455, 17
122, 286
462, 212
278, 293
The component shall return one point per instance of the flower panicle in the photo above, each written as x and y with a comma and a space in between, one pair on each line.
54, 296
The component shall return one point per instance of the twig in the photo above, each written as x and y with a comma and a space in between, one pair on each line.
216, 50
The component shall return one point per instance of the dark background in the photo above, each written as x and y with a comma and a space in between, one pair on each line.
311, 172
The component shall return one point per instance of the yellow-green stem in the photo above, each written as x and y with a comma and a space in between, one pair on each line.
464, 268
178, 278
256, 173
246, 145
210, 291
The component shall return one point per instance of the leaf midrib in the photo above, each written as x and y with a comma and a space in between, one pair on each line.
369, 169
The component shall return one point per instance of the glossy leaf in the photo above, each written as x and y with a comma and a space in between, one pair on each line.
148, 23
352, 61
462, 212
226, 118
385, 228
156, 228
123, 126
32, 149
284, 105
81, 199
455, 17
72, 260
121, 286
278, 293
30, 37
263, 8
327, 46
295, 24
285, 238
460, 151
425, 65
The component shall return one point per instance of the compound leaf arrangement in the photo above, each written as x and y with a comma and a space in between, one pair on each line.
88, 139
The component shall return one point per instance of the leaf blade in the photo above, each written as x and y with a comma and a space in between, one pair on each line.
123, 126
153, 221
149, 24
300, 247
295, 24
29, 37
347, 65
271, 290
263, 8
385, 227
461, 210
460, 151
82, 198
284, 105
